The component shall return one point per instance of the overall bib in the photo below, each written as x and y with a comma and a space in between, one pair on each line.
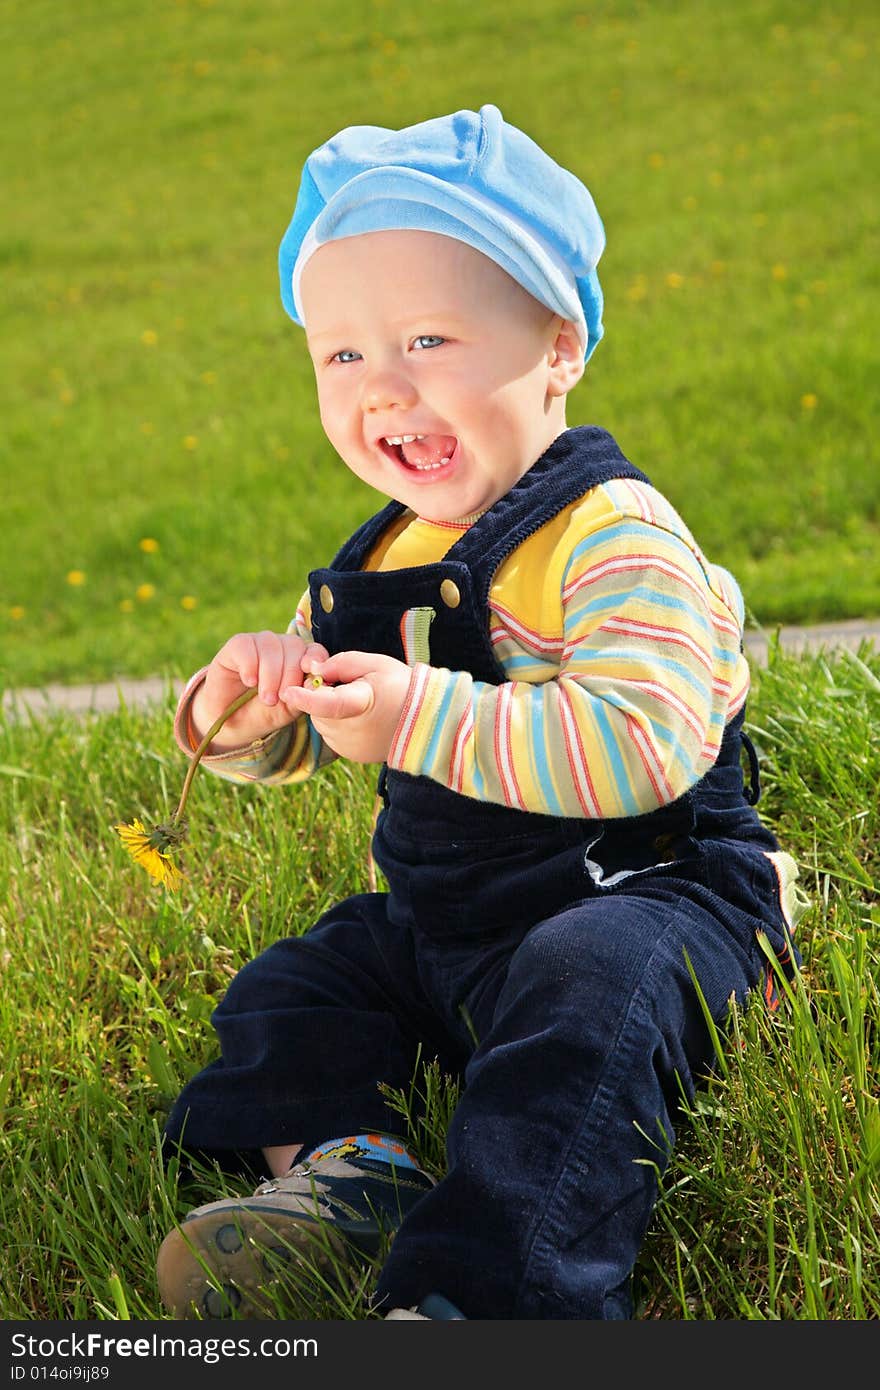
544, 961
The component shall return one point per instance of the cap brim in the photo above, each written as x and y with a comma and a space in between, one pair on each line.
391, 198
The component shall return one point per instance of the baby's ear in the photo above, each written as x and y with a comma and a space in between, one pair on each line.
567, 359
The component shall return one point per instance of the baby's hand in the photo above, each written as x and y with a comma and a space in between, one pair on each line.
358, 705
271, 661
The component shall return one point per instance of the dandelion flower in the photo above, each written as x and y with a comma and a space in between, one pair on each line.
152, 849
144, 592
76, 578
674, 280
779, 272
149, 848
148, 545
16, 612
149, 337
126, 605
190, 441
809, 401
189, 602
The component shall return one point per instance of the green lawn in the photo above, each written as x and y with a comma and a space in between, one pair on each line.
770, 1207
153, 389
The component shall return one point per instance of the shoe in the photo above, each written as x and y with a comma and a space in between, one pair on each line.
236, 1257
433, 1308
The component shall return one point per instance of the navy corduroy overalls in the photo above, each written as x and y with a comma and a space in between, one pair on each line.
545, 961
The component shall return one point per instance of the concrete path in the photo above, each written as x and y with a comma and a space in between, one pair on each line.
107, 695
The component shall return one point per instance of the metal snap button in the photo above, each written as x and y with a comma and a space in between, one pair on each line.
450, 594
325, 596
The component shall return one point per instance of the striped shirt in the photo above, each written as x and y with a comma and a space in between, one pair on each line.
622, 650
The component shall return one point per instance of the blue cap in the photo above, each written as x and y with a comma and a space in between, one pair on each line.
471, 176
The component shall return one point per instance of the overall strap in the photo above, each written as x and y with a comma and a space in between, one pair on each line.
576, 461
352, 555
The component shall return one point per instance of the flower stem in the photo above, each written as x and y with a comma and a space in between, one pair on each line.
212, 733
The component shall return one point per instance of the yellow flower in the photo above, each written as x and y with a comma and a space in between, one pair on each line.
779, 272
189, 602
126, 605
148, 545
674, 280
149, 337
16, 612
76, 578
190, 441
809, 401
149, 848
144, 592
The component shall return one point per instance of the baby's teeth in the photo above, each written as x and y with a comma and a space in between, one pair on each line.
407, 438
429, 467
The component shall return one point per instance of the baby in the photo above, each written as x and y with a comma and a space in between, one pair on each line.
530, 643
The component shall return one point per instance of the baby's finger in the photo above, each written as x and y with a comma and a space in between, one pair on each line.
348, 666
314, 654
332, 701
270, 649
239, 657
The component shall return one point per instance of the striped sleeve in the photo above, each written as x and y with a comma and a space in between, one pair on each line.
647, 672
291, 754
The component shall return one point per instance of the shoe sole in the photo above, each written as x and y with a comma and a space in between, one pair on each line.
240, 1264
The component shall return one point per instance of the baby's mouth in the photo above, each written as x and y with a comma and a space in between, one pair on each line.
425, 453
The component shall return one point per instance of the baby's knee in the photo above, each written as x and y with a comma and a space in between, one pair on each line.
261, 984
590, 947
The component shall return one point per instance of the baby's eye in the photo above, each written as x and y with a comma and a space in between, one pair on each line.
427, 340
346, 355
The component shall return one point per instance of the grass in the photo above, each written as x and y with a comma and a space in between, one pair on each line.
771, 1206
168, 483
153, 389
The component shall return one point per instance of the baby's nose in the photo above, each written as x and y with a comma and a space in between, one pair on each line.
385, 389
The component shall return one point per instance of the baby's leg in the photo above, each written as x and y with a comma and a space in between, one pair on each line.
280, 1157
566, 1115
308, 1032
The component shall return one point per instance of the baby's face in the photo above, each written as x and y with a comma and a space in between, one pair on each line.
433, 368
